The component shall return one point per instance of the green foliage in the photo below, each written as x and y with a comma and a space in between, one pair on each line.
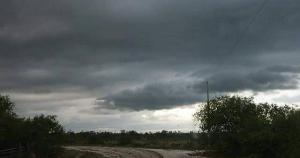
163, 139
44, 134
238, 127
9, 124
6, 107
39, 136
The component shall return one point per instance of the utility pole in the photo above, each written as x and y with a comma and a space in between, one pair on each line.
207, 95
208, 110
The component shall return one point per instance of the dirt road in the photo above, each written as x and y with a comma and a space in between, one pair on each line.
118, 152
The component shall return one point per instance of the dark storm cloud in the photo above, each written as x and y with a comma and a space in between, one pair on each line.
152, 97
104, 48
285, 69
170, 95
105, 31
262, 80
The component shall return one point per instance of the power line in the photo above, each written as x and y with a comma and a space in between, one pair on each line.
241, 35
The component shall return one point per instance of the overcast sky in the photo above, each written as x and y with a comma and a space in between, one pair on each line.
142, 64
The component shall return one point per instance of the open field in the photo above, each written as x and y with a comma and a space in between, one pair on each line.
119, 152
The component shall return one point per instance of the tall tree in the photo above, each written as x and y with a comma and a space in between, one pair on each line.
238, 127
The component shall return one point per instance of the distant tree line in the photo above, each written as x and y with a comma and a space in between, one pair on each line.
162, 139
237, 127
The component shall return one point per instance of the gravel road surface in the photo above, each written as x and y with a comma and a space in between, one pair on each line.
119, 152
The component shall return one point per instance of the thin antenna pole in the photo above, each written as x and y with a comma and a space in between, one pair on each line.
207, 94
208, 110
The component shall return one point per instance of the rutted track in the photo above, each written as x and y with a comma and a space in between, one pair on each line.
118, 152
109, 152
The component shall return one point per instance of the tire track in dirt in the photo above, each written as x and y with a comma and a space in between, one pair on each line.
109, 152
119, 152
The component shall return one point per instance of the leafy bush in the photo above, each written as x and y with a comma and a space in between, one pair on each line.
9, 124
39, 136
44, 135
238, 127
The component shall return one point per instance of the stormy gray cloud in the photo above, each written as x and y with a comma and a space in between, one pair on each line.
272, 78
170, 95
152, 97
138, 55
285, 69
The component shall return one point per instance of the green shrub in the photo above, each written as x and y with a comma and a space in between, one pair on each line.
238, 127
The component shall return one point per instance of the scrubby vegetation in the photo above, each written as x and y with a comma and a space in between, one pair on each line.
163, 139
236, 127
40, 136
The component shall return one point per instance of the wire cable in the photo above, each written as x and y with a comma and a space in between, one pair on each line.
241, 35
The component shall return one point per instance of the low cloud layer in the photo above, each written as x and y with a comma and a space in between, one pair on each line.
272, 78
152, 97
170, 95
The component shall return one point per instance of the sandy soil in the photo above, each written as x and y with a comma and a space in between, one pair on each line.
118, 152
